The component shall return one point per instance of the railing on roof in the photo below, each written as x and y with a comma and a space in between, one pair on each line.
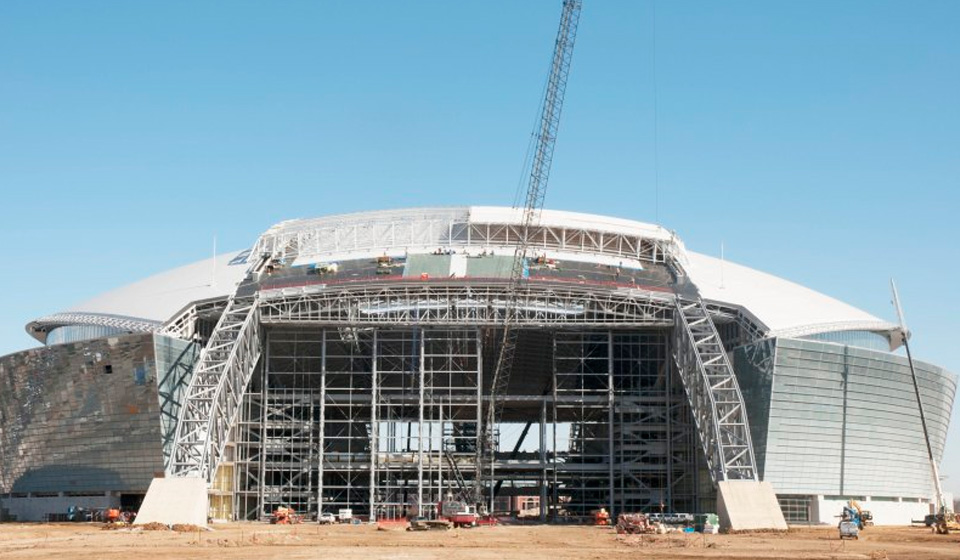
400, 231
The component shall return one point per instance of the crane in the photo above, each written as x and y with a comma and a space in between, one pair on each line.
545, 138
945, 518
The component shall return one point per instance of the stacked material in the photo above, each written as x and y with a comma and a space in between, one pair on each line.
634, 523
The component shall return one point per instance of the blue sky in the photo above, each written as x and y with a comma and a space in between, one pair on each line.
819, 141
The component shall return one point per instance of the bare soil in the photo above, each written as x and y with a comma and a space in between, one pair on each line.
342, 542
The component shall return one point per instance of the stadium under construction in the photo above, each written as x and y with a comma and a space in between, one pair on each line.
347, 362
523, 361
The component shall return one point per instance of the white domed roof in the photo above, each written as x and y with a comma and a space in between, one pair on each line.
785, 308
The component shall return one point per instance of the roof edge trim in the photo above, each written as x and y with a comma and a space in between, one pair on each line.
39, 328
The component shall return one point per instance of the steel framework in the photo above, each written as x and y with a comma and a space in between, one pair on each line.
383, 420
186, 322
229, 359
433, 303
714, 394
374, 233
209, 409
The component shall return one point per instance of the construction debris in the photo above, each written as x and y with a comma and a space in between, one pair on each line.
285, 516
420, 524
635, 524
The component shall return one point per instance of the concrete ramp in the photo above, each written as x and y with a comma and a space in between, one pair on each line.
175, 500
748, 505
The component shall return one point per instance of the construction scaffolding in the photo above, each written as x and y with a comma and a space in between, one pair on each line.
384, 421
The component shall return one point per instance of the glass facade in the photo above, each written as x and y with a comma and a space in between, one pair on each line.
837, 420
82, 417
796, 509
76, 333
174, 359
859, 339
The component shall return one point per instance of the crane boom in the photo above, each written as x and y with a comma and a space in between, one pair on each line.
546, 138
942, 505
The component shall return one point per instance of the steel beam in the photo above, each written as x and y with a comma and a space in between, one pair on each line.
410, 304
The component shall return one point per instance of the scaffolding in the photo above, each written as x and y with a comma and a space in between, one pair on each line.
384, 421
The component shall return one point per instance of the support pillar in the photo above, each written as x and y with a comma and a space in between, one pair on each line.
543, 461
422, 378
323, 420
374, 426
610, 403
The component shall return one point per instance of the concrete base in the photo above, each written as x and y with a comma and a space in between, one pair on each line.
747, 505
175, 500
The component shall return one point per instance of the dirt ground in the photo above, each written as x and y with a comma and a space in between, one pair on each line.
264, 542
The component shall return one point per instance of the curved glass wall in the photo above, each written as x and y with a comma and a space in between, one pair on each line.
76, 333
834, 420
858, 339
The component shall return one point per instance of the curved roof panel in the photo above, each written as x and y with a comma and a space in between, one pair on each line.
158, 297
786, 308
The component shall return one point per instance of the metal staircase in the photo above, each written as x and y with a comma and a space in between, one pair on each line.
212, 400
714, 395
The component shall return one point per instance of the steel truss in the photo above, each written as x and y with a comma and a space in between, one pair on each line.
185, 324
416, 303
378, 232
212, 400
714, 394
747, 329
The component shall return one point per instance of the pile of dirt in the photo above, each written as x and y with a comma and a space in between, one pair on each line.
155, 526
186, 528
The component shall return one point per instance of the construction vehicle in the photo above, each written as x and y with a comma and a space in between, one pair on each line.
849, 530
601, 517
946, 520
851, 514
857, 514
851, 521
460, 514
